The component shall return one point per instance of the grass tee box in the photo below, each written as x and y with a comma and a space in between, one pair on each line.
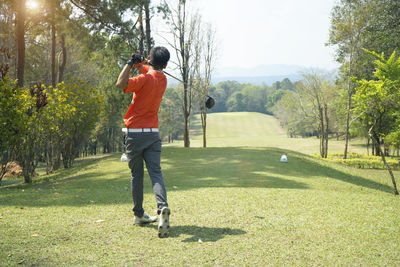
233, 205
230, 206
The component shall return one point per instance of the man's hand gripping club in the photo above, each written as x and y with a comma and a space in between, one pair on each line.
123, 77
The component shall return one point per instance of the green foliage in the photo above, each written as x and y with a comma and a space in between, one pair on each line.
99, 37
57, 129
393, 138
377, 102
299, 110
11, 114
232, 96
273, 99
236, 102
358, 24
370, 24
73, 111
251, 98
170, 115
362, 161
221, 92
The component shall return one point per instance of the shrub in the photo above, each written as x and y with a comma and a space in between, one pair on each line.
362, 161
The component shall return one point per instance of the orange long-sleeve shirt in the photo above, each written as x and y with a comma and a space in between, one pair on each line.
149, 88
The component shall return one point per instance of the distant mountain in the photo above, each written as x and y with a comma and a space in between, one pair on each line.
260, 71
264, 74
259, 80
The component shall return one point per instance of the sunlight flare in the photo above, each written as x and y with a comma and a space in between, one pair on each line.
32, 4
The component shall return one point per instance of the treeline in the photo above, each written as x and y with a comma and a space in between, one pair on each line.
59, 61
232, 96
365, 98
358, 27
361, 100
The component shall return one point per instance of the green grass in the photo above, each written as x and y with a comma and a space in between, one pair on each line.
230, 206
258, 130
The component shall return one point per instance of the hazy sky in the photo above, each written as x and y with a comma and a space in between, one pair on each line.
261, 32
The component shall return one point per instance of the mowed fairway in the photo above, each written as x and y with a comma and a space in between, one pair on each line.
233, 129
233, 205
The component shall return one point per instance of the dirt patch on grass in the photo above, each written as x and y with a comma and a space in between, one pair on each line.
13, 169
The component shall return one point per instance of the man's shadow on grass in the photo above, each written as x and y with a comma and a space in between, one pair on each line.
199, 234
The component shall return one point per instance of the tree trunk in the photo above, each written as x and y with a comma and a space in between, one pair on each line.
148, 28
396, 192
385, 148
3, 164
373, 147
141, 30
377, 146
321, 145
321, 132
20, 37
349, 94
347, 124
27, 176
186, 141
326, 129
27, 160
61, 67
53, 53
204, 126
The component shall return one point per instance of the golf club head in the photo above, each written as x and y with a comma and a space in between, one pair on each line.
210, 102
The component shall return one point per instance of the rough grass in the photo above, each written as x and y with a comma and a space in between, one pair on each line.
230, 206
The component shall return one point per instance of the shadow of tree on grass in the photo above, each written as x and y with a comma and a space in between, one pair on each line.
103, 181
254, 167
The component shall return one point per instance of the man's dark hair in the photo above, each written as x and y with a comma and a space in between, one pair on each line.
159, 57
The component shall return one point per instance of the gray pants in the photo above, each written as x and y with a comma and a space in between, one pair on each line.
147, 147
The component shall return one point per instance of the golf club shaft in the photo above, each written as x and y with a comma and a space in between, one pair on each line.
172, 76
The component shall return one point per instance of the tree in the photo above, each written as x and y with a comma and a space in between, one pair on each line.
222, 91
28, 150
20, 37
348, 22
98, 37
357, 24
308, 108
318, 91
287, 84
11, 119
209, 60
53, 43
236, 102
292, 112
148, 27
183, 30
170, 115
58, 128
378, 102
273, 99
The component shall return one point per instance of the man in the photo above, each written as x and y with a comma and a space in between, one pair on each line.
143, 140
